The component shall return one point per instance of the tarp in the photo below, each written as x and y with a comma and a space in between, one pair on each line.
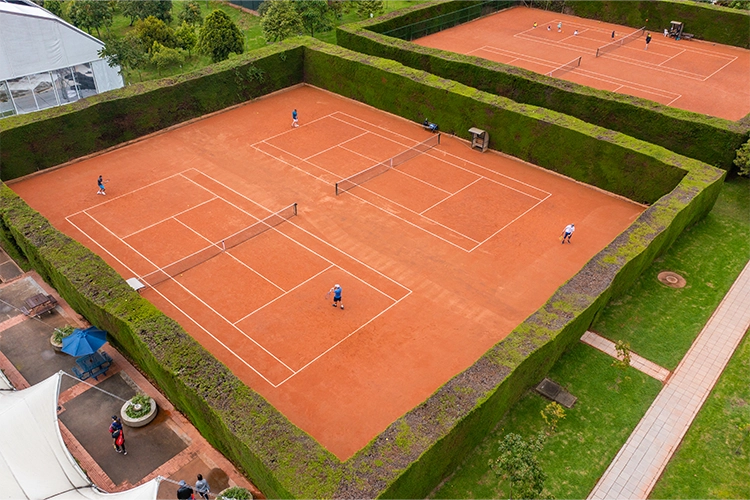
34, 461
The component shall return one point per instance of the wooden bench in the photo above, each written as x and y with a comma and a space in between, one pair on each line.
39, 304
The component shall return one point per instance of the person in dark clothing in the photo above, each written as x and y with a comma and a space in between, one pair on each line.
184, 492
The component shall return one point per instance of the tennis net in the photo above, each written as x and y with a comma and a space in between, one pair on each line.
565, 67
619, 43
170, 271
382, 167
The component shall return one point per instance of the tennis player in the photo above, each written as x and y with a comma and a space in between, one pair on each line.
295, 122
336, 291
568, 232
100, 183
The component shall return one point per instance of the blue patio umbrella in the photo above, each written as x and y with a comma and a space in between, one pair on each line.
84, 342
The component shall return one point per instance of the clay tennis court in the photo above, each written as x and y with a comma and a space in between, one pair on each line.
439, 258
693, 75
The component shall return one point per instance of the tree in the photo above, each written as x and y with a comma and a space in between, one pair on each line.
191, 14
152, 30
164, 57
53, 6
186, 37
518, 464
369, 8
314, 15
742, 160
281, 20
140, 9
219, 36
127, 52
90, 14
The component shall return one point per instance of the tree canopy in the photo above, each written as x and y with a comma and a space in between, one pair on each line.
191, 13
315, 15
152, 30
90, 14
219, 36
280, 20
518, 463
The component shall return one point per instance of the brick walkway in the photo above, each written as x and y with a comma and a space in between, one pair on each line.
639, 363
640, 462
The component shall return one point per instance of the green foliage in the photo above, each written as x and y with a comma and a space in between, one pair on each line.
139, 9
60, 333
622, 360
314, 15
54, 6
552, 414
164, 57
90, 14
140, 405
369, 8
518, 462
219, 36
191, 13
152, 30
127, 52
280, 20
742, 159
235, 493
187, 39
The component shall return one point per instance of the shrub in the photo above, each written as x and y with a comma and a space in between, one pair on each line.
742, 160
236, 493
139, 406
61, 333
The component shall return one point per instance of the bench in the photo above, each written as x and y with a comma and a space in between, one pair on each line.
39, 304
430, 127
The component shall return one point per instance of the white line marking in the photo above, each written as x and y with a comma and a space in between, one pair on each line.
448, 197
167, 218
508, 224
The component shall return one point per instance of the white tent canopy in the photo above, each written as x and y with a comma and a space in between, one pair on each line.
45, 61
34, 461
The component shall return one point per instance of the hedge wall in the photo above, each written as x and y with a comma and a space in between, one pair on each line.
711, 140
410, 457
51, 137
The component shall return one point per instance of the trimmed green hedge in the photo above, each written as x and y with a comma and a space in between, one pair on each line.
54, 136
711, 140
414, 453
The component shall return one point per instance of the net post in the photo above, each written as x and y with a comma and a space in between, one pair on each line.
295, 208
597, 52
223, 246
579, 60
439, 134
337, 189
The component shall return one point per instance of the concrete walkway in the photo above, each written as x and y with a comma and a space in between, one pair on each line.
641, 461
638, 362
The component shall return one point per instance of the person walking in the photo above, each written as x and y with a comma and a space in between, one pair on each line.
201, 486
613, 34
100, 183
117, 433
559, 27
295, 121
648, 40
184, 492
336, 290
568, 232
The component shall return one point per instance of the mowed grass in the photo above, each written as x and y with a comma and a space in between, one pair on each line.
659, 322
716, 248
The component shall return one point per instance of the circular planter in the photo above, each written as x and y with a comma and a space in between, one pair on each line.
57, 347
140, 421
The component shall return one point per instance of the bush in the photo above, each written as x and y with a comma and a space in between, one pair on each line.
742, 160
235, 493
61, 333
139, 406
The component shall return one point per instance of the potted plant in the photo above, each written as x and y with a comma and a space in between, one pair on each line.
138, 411
58, 335
235, 493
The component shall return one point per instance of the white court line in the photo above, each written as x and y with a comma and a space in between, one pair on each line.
673, 100
187, 290
284, 294
452, 195
171, 303
508, 224
109, 200
666, 94
727, 64
291, 130
670, 58
343, 339
340, 145
167, 218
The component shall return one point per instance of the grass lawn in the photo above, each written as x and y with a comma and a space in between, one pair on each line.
713, 461
659, 322
710, 255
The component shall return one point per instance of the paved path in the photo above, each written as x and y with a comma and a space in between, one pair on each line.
639, 463
638, 362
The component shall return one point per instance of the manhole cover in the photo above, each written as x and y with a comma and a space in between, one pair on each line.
671, 279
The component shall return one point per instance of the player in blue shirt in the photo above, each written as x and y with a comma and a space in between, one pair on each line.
336, 290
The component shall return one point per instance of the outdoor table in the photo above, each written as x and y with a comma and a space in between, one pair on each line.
93, 365
38, 304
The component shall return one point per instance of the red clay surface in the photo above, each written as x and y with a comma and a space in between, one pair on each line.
687, 74
439, 259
